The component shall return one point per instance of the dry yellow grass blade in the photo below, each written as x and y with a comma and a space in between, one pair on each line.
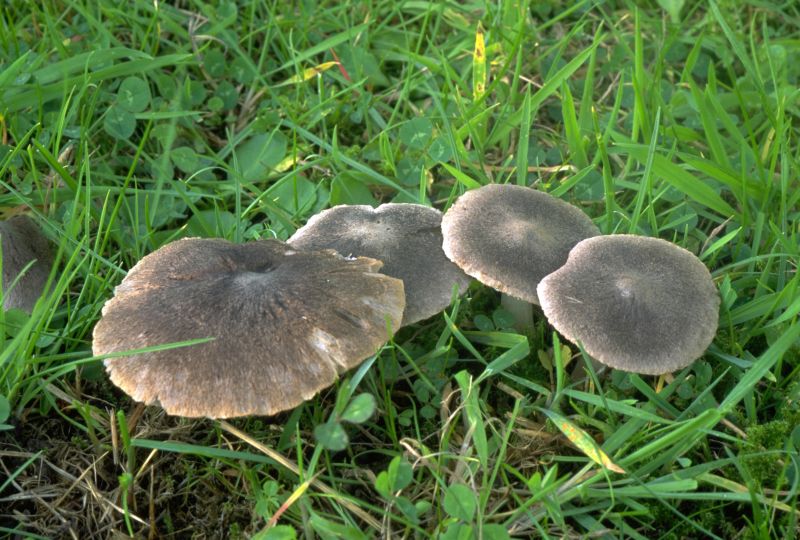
296, 494
324, 488
583, 441
308, 73
479, 64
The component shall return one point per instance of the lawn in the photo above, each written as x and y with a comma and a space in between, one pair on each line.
127, 125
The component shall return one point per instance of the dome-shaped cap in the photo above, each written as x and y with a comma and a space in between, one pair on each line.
406, 237
285, 323
638, 304
24, 242
509, 237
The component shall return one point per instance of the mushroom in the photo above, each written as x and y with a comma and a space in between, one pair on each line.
284, 324
406, 237
509, 237
23, 243
634, 303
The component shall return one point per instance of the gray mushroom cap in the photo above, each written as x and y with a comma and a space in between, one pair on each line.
285, 323
406, 237
637, 304
22, 243
509, 237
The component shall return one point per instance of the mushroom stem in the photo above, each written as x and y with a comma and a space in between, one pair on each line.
521, 310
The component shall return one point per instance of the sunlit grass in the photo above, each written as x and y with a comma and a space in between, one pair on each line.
124, 128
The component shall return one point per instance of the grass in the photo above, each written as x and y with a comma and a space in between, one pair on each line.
125, 127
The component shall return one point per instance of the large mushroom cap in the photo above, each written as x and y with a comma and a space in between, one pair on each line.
23, 242
509, 237
638, 304
285, 323
406, 237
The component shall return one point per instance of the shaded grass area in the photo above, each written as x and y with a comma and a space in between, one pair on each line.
126, 128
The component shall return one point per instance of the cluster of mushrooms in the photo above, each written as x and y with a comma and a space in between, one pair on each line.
634, 303
209, 328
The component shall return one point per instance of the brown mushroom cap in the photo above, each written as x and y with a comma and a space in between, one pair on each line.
24, 242
637, 304
406, 237
509, 237
285, 324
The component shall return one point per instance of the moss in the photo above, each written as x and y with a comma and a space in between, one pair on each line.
710, 515
761, 454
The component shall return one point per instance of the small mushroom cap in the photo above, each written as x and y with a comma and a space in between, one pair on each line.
509, 237
637, 304
24, 242
406, 237
285, 324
